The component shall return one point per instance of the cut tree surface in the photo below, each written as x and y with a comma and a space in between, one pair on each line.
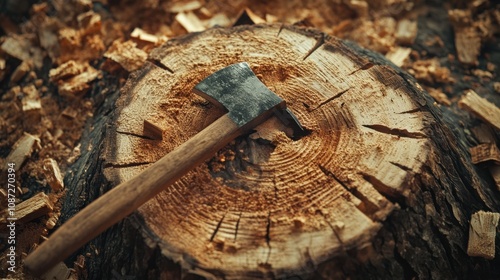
266, 204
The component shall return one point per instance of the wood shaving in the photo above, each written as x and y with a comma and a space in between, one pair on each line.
480, 107
127, 55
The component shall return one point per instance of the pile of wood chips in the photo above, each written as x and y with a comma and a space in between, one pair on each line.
55, 52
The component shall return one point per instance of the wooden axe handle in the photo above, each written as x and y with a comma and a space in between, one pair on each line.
128, 196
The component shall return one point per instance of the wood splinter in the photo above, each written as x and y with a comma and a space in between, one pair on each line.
126, 54
398, 55
22, 149
31, 209
152, 131
482, 232
53, 174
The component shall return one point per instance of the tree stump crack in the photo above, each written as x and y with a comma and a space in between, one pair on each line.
364, 67
126, 165
217, 228
160, 65
280, 29
395, 131
320, 40
336, 96
402, 166
135, 135
416, 110
334, 230
237, 227
268, 235
384, 189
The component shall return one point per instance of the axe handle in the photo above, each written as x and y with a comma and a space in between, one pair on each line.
122, 200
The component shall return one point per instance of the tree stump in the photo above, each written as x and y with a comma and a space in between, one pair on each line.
378, 187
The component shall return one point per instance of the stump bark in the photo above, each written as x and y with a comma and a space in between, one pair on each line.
378, 188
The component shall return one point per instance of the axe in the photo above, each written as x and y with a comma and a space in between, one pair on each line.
248, 102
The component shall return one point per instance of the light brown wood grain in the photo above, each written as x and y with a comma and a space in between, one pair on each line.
262, 209
485, 152
22, 149
28, 210
481, 107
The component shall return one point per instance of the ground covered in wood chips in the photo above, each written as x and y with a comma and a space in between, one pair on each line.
56, 56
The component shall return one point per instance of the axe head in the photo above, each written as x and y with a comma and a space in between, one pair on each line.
247, 100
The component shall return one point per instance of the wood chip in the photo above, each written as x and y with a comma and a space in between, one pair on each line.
2, 68
398, 55
482, 232
78, 85
31, 100
219, 19
490, 66
439, 96
467, 39
21, 48
30, 209
22, 150
53, 174
79, 45
66, 70
205, 13
126, 55
406, 32
89, 23
152, 131
39, 8
143, 36
496, 87
69, 38
20, 71
271, 18
430, 71
360, 7
190, 22
52, 220
181, 7
482, 74
484, 153
47, 34
481, 107
69, 112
